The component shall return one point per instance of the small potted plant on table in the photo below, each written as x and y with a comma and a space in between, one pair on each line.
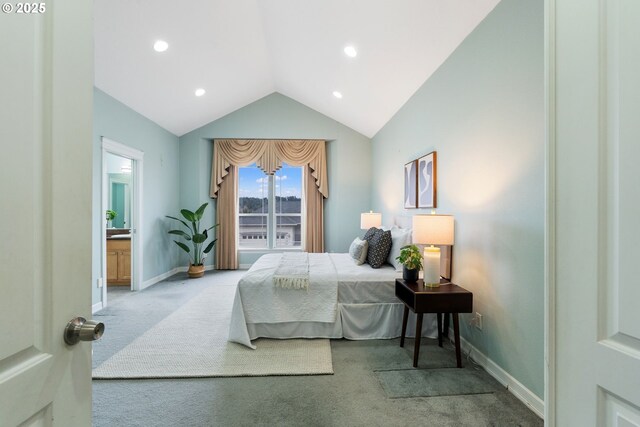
411, 261
196, 237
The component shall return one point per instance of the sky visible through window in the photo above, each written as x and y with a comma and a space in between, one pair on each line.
253, 182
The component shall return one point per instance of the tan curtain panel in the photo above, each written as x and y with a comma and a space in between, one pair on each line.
314, 214
226, 251
269, 156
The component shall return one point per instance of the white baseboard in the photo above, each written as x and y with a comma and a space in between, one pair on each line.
516, 388
161, 277
96, 307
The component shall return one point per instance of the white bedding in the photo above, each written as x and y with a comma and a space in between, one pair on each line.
262, 302
363, 307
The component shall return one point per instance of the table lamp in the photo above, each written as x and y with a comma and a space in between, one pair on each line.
432, 230
370, 219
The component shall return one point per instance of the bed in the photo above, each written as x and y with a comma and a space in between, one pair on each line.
343, 300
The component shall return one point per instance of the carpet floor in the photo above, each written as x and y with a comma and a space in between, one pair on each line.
366, 389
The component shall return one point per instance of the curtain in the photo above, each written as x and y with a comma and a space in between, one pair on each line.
268, 156
226, 253
314, 214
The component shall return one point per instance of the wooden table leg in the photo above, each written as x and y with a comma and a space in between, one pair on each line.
405, 316
416, 349
456, 334
439, 316
445, 328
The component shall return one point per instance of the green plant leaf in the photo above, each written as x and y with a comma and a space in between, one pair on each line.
190, 216
183, 246
212, 227
210, 246
199, 238
198, 214
178, 219
180, 233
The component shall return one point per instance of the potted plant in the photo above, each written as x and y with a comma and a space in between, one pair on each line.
197, 239
411, 261
111, 215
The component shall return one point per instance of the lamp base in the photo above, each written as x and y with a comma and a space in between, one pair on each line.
431, 275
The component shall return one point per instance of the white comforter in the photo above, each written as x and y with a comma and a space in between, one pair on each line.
257, 300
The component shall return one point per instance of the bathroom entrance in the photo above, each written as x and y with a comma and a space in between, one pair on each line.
118, 218
121, 192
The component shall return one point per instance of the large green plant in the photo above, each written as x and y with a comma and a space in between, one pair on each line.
410, 257
194, 235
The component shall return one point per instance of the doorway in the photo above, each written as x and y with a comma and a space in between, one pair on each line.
122, 210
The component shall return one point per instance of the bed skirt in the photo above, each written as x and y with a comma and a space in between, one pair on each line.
353, 322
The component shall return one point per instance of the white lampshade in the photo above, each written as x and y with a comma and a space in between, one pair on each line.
370, 219
433, 229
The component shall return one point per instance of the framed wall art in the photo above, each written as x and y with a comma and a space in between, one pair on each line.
410, 184
427, 181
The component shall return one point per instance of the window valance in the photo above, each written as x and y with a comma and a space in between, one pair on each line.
269, 156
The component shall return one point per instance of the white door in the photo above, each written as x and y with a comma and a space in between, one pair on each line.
46, 87
595, 141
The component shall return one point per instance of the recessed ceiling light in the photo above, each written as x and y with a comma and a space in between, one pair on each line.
160, 46
350, 51
337, 94
200, 92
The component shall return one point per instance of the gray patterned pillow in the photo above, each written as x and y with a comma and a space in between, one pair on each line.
358, 250
379, 247
369, 234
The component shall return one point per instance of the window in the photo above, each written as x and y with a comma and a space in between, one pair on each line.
270, 208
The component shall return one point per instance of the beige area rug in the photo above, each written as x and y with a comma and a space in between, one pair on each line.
192, 343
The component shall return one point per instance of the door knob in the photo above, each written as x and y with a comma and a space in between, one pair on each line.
81, 329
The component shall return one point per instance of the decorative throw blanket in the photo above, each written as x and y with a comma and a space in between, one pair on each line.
293, 271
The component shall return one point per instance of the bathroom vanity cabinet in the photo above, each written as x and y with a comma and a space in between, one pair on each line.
118, 261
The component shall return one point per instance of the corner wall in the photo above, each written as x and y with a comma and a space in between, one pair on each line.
483, 112
116, 121
279, 117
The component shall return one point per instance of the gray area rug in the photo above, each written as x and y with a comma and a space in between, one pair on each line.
436, 382
192, 343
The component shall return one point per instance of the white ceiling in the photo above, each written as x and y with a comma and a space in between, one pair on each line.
243, 50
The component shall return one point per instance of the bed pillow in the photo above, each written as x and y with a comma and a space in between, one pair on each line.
400, 237
379, 247
358, 250
369, 234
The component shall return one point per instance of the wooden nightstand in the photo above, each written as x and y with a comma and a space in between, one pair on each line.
448, 298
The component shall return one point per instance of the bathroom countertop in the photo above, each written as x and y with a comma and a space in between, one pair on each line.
120, 237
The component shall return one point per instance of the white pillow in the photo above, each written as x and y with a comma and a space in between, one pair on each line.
400, 237
358, 250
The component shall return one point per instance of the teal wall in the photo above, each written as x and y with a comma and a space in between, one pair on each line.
483, 112
277, 116
119, 123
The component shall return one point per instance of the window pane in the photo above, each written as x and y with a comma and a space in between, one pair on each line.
288, 189
253, 207
288, 231
288, 206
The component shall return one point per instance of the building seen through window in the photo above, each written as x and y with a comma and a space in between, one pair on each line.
270, 208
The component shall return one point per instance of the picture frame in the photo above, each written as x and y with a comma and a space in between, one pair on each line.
411, 185
427, 180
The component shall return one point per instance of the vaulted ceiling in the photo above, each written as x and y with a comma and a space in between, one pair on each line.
242, 50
